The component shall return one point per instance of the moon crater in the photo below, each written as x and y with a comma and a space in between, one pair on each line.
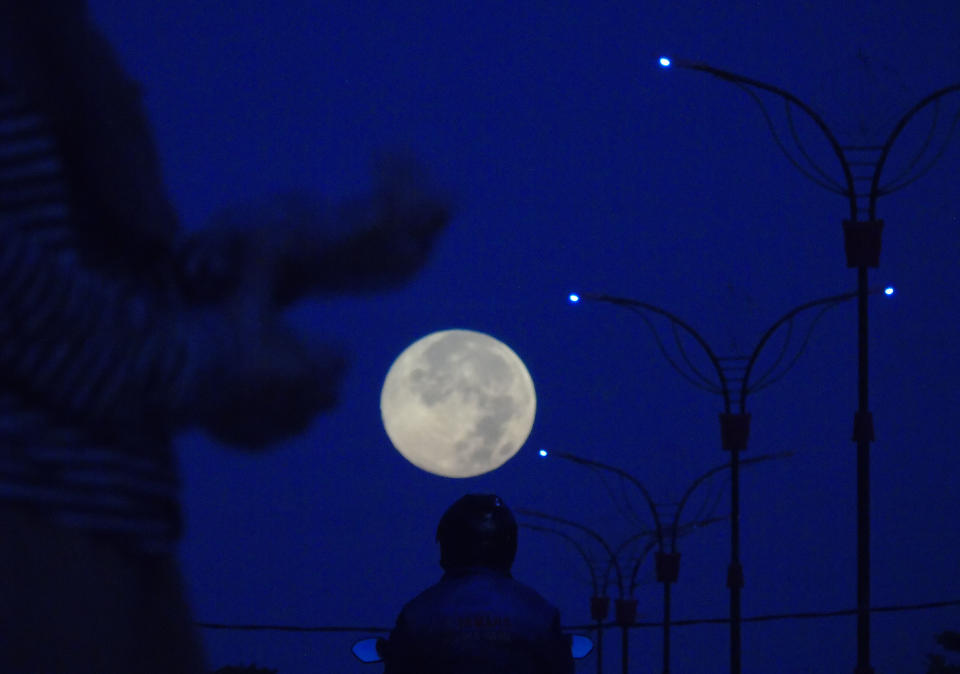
458, 403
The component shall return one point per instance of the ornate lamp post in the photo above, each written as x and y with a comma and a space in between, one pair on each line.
625, 608
599, 602
663, 537
733, 383
862, 235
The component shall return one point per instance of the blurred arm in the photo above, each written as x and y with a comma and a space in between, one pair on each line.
85, 347
80, 175
304, 247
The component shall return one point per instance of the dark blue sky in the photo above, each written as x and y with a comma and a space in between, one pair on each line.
581, 165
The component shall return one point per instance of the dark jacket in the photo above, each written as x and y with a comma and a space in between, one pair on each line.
478, 621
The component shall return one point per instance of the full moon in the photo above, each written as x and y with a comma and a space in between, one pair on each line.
458, 403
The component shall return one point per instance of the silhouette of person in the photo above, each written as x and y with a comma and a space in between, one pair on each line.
118, 330
477, 619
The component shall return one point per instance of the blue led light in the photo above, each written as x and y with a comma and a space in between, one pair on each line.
574, 298
888, 290
664, 62
543, 452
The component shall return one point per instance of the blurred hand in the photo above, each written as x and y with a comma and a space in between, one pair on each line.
274, 390
256, 260
307, 247
400, 222
271, 385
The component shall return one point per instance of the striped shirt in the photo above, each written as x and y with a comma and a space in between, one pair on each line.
94, 372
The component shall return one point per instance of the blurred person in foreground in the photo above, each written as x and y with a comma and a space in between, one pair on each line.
118, 330
478, 619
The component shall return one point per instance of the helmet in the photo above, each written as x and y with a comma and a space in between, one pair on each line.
477, 530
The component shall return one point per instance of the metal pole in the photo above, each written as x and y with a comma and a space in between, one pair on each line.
666, 628
863, 434
862, 242
735, 571
624, 651
600, 647
862, 254
668, 570
734, 432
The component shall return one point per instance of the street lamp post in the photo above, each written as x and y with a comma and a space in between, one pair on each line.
862, 237
733, 383
598, 603
667, 558
626, 607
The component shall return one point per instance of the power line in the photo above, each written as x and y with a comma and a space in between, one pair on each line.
789, 616
592, 626
289, 628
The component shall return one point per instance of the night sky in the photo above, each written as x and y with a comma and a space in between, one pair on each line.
578, 164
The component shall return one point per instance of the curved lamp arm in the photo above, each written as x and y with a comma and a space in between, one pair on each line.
590, 532
576, 544
677, 322
622, 473
702, 478
740, 80
875, 189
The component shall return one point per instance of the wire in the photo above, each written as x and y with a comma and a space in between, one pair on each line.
289, 628
784, 616
593, 626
